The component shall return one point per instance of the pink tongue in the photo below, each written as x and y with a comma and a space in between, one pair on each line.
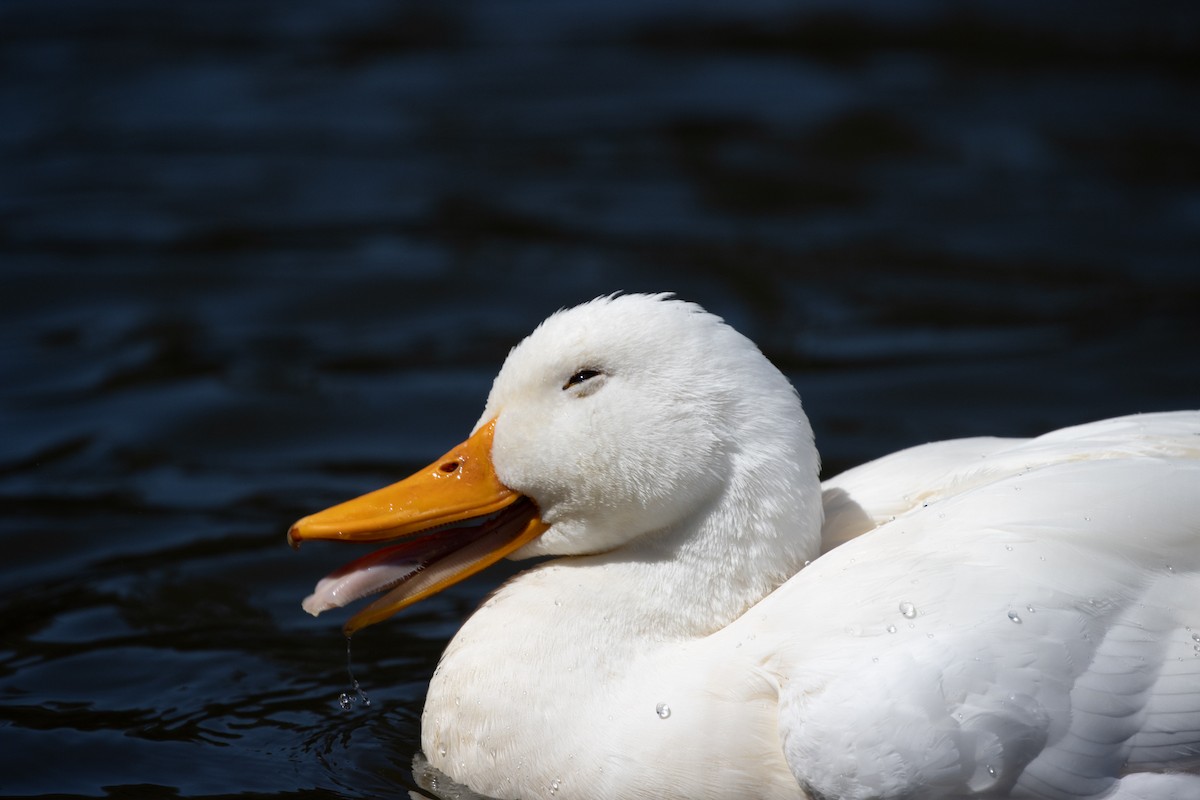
386, 568
341, 588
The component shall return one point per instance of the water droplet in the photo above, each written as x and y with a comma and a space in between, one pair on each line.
558, 602
891, 628
347, 700
1008, 547
554, 786
663, 710
1170, 568
806, 563
1196, 637
1014, 617
441, 751
908, 609
991, 770
1030, 609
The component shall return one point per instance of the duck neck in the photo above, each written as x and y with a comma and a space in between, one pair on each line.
701, 573
607, 637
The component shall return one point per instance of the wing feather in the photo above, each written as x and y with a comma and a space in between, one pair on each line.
1055, 588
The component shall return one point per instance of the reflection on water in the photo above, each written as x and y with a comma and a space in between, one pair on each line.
260, 257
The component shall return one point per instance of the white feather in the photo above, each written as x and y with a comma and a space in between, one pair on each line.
990, 617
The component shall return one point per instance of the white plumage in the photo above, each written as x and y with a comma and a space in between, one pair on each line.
980, 618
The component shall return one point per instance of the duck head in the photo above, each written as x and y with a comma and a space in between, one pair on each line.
612, 422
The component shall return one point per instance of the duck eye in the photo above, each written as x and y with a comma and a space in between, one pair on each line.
579, 377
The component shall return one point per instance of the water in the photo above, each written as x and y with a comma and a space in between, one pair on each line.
347, 700
260, 257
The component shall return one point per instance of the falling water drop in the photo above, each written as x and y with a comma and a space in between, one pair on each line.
347, 700
908, 609
1014, 617
663, 710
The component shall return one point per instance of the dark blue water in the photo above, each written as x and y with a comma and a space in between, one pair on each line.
260, 256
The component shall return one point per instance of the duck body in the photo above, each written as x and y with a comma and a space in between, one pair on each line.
1026, 629
976, 618
1008, 626
639, 717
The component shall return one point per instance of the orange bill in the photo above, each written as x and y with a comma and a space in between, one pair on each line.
419, 510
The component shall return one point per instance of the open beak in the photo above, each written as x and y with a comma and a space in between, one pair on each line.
461, 485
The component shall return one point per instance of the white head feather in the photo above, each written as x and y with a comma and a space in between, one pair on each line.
674, 445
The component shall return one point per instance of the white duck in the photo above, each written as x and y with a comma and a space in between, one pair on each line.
1021, 620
